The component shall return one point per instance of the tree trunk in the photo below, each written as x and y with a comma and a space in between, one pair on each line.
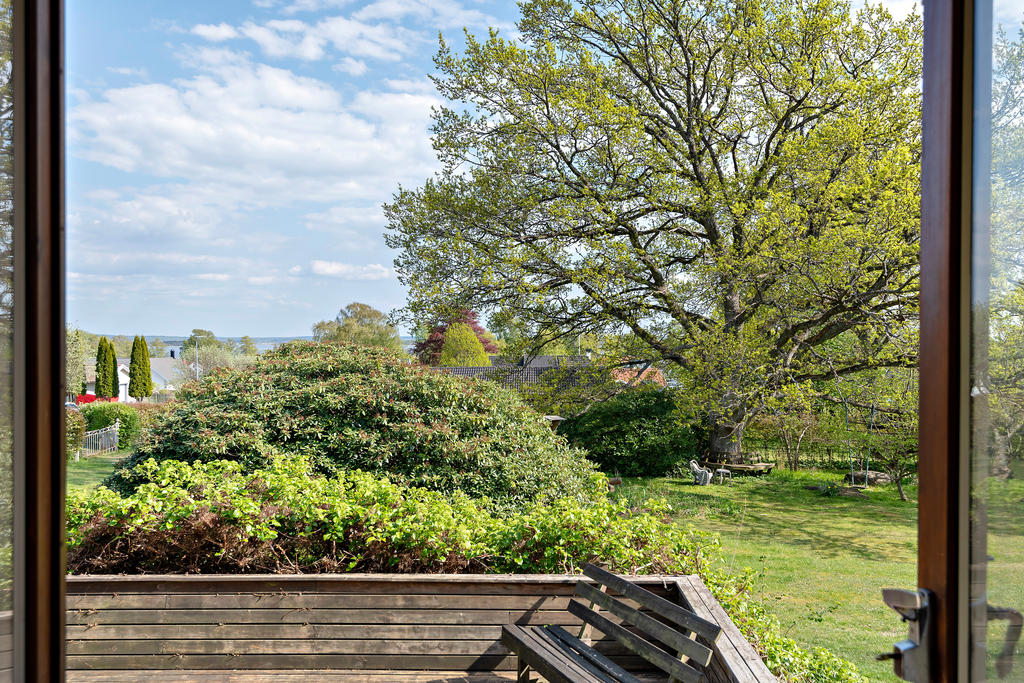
899, 487
725, 443
1000, 463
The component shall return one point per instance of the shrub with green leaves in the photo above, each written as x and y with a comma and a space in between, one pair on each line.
347, 407
462, 348
103, 414
149, 414
638, 432
214, 518
74, 431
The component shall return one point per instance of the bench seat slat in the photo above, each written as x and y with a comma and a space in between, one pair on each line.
577, 652
599, 659
670, 610
653, 654
547, 657
652, 627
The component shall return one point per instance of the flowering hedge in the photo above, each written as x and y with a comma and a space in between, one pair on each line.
347, 407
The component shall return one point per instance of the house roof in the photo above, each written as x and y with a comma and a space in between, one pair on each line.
90, 371
166, 369
511, 376
541, 361
651, 374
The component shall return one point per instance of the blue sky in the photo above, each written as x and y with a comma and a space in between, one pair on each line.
227, 160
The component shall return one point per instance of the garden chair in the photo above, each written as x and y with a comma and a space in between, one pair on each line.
701, 475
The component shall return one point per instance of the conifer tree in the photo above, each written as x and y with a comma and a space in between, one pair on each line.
101, 368
140, 380
115, 380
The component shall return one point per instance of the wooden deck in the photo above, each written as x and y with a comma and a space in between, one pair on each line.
378, 628
307, 676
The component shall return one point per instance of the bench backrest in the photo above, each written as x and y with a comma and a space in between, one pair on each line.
676, 635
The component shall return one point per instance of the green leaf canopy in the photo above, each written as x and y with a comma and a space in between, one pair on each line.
735, 184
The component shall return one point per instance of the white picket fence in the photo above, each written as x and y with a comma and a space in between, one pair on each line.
100, 441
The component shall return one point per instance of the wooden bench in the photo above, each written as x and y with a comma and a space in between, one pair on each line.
560, 657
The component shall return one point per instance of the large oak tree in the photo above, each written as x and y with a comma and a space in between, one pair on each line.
734, 183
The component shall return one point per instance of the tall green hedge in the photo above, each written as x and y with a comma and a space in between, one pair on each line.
348, 407
99, 415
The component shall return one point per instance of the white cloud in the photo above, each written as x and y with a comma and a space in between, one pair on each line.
375, 31
347, 271
240, 134
285, 39
214, 277
438, 13
261, 280
128, 71
215, 32
313, 5
294, 38
352, 67
295, 270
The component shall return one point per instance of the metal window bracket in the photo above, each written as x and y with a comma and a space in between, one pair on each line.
910, 657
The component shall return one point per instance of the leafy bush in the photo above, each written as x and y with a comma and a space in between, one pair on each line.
348, 407
638, 432
99, 415
74, 431
149, 414
462, 348
211, 517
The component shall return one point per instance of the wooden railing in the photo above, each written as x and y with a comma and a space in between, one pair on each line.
394, 622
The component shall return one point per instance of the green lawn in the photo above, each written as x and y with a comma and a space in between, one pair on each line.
822, 561
89, 472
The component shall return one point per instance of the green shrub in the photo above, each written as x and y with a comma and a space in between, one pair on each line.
638, 432
149, 414
213, 518
74, 432
103, 414
461, 348
348, 407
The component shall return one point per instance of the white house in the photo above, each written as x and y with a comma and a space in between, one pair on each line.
122, 381
165, 373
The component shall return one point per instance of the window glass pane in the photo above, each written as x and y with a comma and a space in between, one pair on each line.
997, 349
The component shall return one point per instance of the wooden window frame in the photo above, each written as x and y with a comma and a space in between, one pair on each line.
946, 185
39, 340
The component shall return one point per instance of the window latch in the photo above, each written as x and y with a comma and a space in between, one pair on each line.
910, 657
